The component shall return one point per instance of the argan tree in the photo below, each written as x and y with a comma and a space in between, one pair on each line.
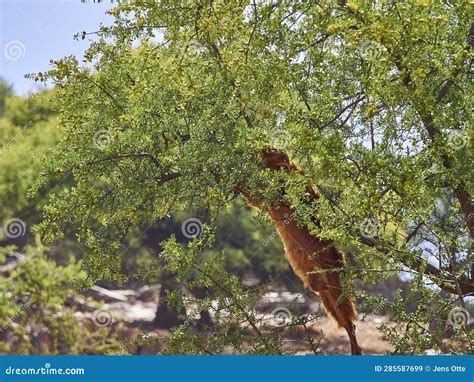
174, 103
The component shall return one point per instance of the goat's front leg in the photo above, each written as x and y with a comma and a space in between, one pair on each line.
250, 201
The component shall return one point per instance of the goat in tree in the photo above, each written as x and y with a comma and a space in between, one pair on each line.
307, 254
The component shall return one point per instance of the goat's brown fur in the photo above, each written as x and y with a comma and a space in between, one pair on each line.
308, 255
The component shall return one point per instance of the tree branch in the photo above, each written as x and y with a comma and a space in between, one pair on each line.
466, 287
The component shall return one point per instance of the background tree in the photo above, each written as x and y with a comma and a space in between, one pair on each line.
5, 91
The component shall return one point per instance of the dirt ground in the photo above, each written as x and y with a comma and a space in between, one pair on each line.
137, 315
335, 341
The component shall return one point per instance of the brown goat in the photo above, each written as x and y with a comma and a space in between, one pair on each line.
308, 255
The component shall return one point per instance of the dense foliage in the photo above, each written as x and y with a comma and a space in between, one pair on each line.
40, 305
176, 100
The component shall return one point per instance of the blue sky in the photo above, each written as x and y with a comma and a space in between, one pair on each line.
34, 31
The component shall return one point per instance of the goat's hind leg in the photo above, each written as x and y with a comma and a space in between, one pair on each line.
351, 332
